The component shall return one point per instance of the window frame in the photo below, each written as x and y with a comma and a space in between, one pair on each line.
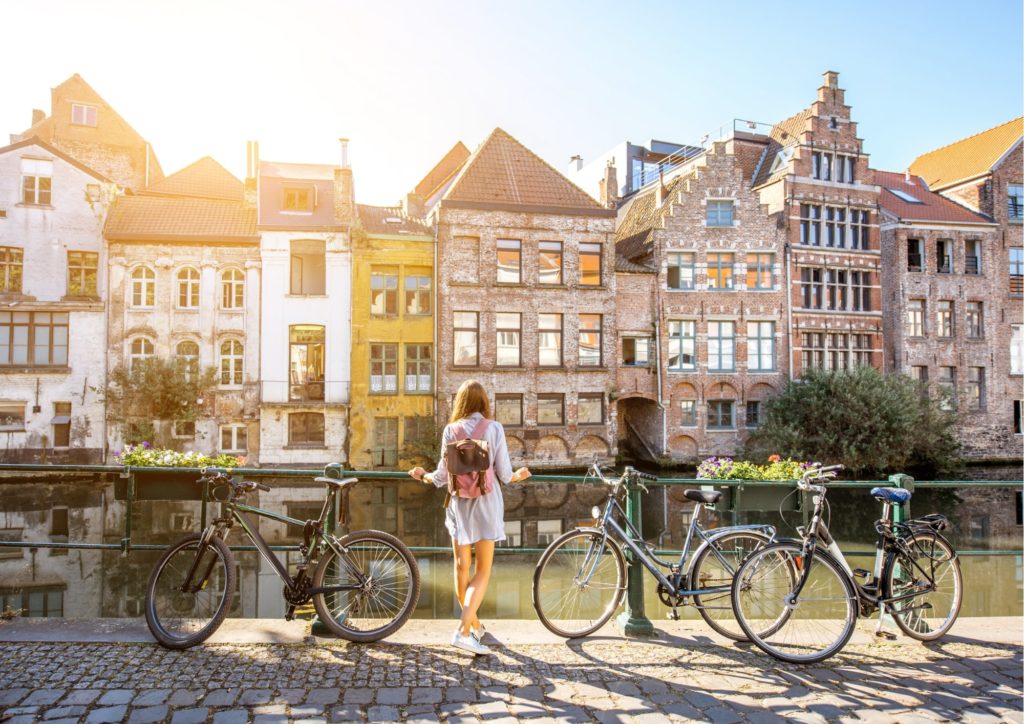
717, 416
674, 261
506, 398
542, 331
634, 340
187, 287
142, 287
388, 455
56, 324
550, 249
588, 250
79, 266
306, 417
558, 397
508, 247
590, 396
37, 185
82, 111
915, 323
232, 288
945, 319
12, 263
721, 340
501, 319
235, 367
682, 339
304, 382
582, 361
755, 346
715, 219
720, 268
1015, 266
688, 418
61, 409
234, 428
142, 354
416, 363
760, 270
420, 293
187, 360
292, 194
974, 319
388, 291
474, 330
920, 265
379, 358
1015, 203
976, 392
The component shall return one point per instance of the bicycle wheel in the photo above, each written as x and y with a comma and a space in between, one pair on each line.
385, 583
813, 629
578, 583
931, 559
710, 571
180, 618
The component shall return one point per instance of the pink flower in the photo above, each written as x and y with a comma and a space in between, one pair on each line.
774, 458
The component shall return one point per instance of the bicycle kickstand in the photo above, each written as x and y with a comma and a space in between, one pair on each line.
880, 632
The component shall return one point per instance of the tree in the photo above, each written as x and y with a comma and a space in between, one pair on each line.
869, 422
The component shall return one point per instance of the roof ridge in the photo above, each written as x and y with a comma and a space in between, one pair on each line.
968, 138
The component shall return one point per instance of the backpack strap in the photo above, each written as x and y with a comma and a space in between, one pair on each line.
481, 429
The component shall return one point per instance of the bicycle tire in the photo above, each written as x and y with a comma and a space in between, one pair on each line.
937, 557
375, 612
163, 597
709, 572
563, 606
821, 623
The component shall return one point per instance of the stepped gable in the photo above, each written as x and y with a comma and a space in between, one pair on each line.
203, 179
390, 220
783, 134
445, 170
969, 157
503, 172
932, 206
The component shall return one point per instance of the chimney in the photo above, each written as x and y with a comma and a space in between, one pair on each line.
252, 169
344, 191
830, 92
831, 79
413, 205
575, 163
344, 152
609, 187
37, 116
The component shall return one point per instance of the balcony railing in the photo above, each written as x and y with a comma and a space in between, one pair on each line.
945, 265
972, 265
914, 262
1016, 284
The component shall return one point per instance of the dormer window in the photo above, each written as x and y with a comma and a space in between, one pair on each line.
301, 199
83, 115
782, 158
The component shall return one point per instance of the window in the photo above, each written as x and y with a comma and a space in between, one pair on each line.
419, 368
140, 349
384, 293
682, 346
722, 346
974, 319
636, 351
915, 255
188, 288
385, 442
590, 265
509, 334
760, 346
61, 423
760, 274
417, 294
944, 256
548, 531
143, 287
550, 409
306, 363
753, 413
863, 348
549, 262
915, 318
944, 319
904, 196
1018, 426
11, 267
827, 166
12, 417
232, 287
299, 199
860, 229
1016, 270
590, 408
46, 602
83, 267
972, 256
719, 213
1016, 349
59, 521
590, 340
838, 351
184, 429
549, 340
383, 369
510, 260
688, 413
813, 353
860, 291
83, 115
680, 270
306, 429
720, 415
810, 225
836, 283
812, 288
1015, 201
821, 166
186, 358
36, 339
36, 177
835, 227
508, 410
919, 373
309, 267
467, 333
234, 438
720, 271
513, 534
976, 389
947, 388
232, 362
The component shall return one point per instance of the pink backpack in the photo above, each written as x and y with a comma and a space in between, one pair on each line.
468, 460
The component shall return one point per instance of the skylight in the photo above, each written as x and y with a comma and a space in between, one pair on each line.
900, 194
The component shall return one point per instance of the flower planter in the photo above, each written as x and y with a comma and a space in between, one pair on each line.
169, 484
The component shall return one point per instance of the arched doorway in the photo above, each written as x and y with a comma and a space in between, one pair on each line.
640, 428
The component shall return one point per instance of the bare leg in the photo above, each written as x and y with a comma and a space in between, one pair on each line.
463, 557
477, 587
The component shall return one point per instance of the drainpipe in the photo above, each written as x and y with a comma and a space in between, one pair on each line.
657, 364
789, 307
437, 316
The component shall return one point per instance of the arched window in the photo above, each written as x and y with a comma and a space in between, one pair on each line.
232, 285
188, 288
186, 357
139, 350
231, 362
143, 287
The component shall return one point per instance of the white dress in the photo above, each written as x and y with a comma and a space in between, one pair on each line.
469, 520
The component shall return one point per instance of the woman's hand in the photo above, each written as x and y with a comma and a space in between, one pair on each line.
419, 474
521, 474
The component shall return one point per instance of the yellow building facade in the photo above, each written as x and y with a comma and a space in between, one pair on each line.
393, 346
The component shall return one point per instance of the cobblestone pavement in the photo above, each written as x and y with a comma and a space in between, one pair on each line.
600, 679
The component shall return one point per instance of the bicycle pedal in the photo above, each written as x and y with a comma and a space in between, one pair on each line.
289, 615
887, 635
860, 573
672, 615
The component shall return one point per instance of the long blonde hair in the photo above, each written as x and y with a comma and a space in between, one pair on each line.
470, 398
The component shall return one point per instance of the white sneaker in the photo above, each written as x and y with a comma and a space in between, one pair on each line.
470, 644
478, 632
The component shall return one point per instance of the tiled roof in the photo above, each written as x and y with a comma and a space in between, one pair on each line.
622, 264
390, 220
784, 133
504, 172
159, 218
933, 206
204, 179
446, 168
967, 158
633, 235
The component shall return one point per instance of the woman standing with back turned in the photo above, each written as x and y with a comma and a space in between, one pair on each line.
475, 524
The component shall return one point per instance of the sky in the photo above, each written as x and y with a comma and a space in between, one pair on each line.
405, 80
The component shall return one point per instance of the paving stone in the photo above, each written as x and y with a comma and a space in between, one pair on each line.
395, 696
184, 697
346, 713
19, 718
307, 711
64, 712
463, 694
190, 716
116, 697
322, 696
42, 697
425, 695
81, 696
148, 714
382, 713
271, 719
13, 696
220, 697
231, 716
252, 697
358, 696
153, 697
106, 714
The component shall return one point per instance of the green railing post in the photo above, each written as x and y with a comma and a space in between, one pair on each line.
334, 471
633, 620
901, 513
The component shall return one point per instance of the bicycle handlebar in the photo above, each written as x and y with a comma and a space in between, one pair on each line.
645, 476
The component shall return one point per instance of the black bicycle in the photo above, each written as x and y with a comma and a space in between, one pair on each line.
364, 586
798, 600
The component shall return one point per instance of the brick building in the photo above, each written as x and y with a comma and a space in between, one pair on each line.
526, 302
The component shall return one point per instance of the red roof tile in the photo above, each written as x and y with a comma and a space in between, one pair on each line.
157, 218
445, 169
390, 220
933, 206
968, 158
203, 179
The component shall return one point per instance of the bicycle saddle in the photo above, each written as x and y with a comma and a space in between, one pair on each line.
339, 484
893, 496
703, 496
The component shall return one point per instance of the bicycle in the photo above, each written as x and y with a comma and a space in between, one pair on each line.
580, 578
798, 600
364, 586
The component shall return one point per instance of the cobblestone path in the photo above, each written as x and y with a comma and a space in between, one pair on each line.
596, 679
